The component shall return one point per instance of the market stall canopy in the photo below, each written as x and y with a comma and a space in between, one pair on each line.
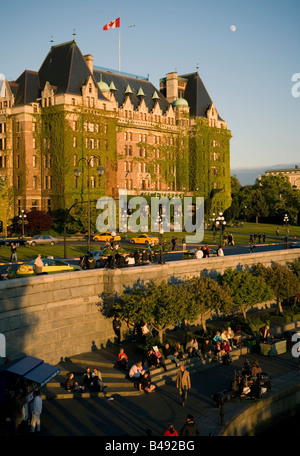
33, 369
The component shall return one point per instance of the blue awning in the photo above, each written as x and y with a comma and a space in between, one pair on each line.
34, 369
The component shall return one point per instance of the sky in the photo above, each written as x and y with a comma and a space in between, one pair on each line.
251, 74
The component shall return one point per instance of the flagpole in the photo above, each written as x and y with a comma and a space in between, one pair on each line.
119, 48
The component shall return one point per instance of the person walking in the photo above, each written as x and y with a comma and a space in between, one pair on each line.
117, 328
190, 428
183, 383
36, 411
13, 250
38, 264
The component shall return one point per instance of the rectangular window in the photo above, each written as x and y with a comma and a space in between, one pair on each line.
34, 161
75, 141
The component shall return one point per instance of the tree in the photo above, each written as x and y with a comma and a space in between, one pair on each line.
158, 304
279, 195
39, 221
245, 288
283, 282
235, 184
203, 296
256, 204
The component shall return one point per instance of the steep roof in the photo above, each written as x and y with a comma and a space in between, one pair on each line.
196, 95
121, 83
65, 68
26, 88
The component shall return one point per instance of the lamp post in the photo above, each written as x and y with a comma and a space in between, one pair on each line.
213, 219
113, 233
220, 223
77, 172
286, 239
23, 217
161, 232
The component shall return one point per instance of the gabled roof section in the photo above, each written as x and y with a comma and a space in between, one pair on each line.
27, 89
121, 83
196, 95
65, 68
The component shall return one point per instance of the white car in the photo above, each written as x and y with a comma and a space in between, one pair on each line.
42, 240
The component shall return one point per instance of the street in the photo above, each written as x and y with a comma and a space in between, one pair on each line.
167, 257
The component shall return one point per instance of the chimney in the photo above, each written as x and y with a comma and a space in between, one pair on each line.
172, 87
89, 61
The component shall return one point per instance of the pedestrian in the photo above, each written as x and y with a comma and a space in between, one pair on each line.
220, 251
170, 431
13, 250
38, 264
36, 411
252, 247
277, 231
90, 262
117, 328
173, 243
264, 237
183, 244
190, 428
183, 383
198, 253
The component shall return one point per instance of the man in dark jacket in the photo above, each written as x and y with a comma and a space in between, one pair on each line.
90, 262
190, 428
117, 328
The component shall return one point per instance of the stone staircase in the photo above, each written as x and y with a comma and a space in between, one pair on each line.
115, 380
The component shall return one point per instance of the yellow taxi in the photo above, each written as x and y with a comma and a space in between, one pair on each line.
107, 236
50, 266
144, 239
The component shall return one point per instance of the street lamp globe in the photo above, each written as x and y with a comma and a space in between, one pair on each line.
77, 172
100, 170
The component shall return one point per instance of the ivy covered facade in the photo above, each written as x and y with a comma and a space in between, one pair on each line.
72, 115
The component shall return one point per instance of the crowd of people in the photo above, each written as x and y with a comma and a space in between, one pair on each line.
204, 252
218, 350
91, 382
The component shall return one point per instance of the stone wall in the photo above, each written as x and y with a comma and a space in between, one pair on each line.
283, 401
55, 316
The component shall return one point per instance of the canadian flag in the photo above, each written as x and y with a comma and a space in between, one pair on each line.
112, 24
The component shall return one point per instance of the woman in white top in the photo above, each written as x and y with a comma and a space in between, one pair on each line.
220, 251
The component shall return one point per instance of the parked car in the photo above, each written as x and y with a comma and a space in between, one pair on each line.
144, 239
295, 245
191, 253
42, 240
51, 266
7, 241
107, 236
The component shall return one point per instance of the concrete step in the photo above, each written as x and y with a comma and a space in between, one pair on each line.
116, 381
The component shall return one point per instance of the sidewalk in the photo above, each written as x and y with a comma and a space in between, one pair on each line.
125, 411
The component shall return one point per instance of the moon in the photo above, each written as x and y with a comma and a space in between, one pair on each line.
233, 28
